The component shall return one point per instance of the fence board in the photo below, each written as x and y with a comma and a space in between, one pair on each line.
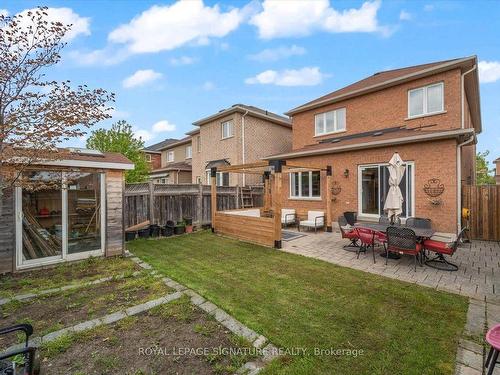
174, 202
484, 204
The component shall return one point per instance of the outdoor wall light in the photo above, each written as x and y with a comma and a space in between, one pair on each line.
346, 173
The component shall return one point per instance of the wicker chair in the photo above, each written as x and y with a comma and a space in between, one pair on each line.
350, 234
441, 249
418, 222
403, 240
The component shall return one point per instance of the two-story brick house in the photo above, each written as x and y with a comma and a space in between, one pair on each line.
429, 114
497, 170
237, 135
153, 153
175, 165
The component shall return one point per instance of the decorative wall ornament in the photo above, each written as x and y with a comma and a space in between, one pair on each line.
434, 188
336, 189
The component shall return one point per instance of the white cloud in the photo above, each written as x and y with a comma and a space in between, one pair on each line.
404, 15
141, 77
183, 60
80, 25
167, 27
489, 71
428, 7
4, 12
145, 135
208, 86
286, 18
100, 57
282, 52
308, 76
117, 114
163, 126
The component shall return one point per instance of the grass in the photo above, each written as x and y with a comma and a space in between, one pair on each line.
298, 302
65, 274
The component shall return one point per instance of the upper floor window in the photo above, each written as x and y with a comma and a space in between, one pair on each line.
189, 152
148, 158
170, 156
426, 100
305, 184
330, 122
227, 129
198, 143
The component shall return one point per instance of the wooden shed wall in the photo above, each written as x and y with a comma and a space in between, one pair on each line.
115, 185
7, 232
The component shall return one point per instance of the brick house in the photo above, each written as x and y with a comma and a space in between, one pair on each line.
175, 163
237, 135
153, 153
429, 114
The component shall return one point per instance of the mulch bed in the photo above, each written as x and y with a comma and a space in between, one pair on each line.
64, 274
53, 312
149, 343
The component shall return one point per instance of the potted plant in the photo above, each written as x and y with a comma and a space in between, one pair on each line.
189, 224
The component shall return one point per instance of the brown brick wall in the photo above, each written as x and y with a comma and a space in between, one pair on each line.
155, 162
424, 155
385, 108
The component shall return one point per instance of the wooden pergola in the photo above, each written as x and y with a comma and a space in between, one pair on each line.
263, 229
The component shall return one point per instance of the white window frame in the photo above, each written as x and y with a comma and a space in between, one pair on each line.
424, 98
189, 152
148, 158
381, 209
335, 125
170, 156
231, 125
219, 179
300, 196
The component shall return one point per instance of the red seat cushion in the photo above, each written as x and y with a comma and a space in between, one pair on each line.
351, 234
438, 247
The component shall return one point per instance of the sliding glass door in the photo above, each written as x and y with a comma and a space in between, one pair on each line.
60, 216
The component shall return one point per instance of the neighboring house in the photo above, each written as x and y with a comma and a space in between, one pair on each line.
429, 114
175, 165
153, 153
65, 210
497, 170
237, 135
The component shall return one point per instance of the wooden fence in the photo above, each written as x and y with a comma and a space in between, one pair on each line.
161, 202
484, 205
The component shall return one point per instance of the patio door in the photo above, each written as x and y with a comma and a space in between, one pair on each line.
60, 216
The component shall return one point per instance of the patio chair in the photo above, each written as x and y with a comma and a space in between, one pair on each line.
418, 222
348, 232
287, 216
441, 249
493, 338
367, 238
351, 217
31, 365
315, 219
384, 220
403, 240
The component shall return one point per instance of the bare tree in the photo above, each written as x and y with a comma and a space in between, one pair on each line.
37, 114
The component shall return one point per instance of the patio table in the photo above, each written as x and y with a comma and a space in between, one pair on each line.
419, 232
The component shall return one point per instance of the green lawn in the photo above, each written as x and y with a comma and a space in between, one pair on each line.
301, 302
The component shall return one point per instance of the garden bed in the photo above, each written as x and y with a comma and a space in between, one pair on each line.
64, 274
160, 341
53, 312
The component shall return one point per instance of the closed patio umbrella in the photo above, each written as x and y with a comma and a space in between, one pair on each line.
394, 201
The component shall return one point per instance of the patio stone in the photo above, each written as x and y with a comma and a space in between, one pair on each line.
220, 315
470, 359
249, 368
472, 346
86, 325
208, 306
112, 318
465, 370
137, 309
270, 352
55, 335
259, 341
239, 329
475, 319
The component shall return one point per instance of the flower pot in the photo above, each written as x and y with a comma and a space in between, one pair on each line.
143, 233
189, 229
154, 230
179, 229
129, 236
188, 220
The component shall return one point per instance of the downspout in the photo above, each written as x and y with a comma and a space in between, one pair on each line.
459, 150
459, 181
243, 160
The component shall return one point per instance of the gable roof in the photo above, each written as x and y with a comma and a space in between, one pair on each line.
177, 142
250, 109
158, 146
381, 80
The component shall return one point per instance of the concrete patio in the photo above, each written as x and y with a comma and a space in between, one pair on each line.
478, 275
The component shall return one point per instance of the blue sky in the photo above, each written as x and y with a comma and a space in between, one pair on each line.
173, 63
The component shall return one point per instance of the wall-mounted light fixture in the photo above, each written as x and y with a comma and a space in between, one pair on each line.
346, 173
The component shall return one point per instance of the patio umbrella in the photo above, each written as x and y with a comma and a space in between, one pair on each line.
394, 201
